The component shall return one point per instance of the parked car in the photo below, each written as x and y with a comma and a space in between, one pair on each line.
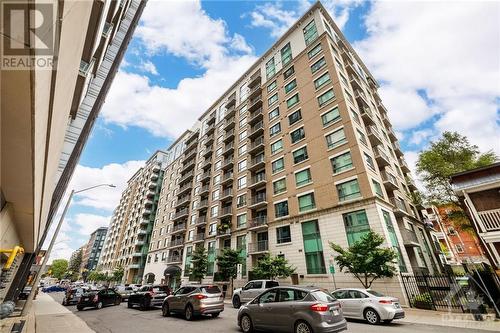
292, 309
124, 291
72, 295
369, 305
194, 300
99, 299
54, 288
249, 291
147, 296
23, 295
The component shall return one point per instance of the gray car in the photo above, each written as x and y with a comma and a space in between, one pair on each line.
292, 309
368, 304
194, 300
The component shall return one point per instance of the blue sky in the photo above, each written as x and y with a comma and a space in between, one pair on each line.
436, 74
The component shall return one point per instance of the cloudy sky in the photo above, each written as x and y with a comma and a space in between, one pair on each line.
437, 63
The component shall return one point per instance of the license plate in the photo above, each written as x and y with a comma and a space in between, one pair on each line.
334, 312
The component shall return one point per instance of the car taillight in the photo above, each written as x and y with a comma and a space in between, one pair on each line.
96, 298
200, 296
319, 307
150, 293
384, 301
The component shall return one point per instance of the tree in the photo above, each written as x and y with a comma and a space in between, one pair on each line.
74, 266
228, 263
118, 273
272, 267
366, 260
199, 261
59, 268
449, 155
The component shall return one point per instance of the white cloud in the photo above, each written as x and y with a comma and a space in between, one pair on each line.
446, 52
419, 136
88, 223
148, 67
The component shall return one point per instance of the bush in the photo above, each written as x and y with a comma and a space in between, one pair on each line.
424, 298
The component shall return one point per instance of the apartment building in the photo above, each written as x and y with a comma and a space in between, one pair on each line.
128, 236
49, 111
479, 193
299, 152
93, 249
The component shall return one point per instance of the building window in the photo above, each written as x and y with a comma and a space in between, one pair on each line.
460, 248
286, 54
300, 155
241, 201
377, 188
274, 113
362, 137
216, 180
270, 68
242, 165
322, 80
241, 246
272, 86
242, 122
241, 220
326, 98
281, 209
394, 241
369, 161
306, 202
243, 135
294, 117
212, 229
349, 190
310, 32
273, 99
356, 226
318, 65
278, 165
218, 165
242, 182
283, 235
215, 194
313, 248
292, 100
336, 138
276, 146
330, 117
289, 72
279, 186
290, 86
303, 177
275, 129
242, 150
214, 211
314, 51
355, 116
297, 135
342, 162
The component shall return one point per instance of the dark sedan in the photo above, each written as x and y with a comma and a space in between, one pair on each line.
99, 299
147, 296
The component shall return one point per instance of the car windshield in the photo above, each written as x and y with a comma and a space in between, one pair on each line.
210, 289
375, 293
157, 289
271, 284
322, 296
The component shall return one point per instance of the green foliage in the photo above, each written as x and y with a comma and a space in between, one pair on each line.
228, 263
272, 267
199, 261
425, 298
59, 268
96, 276
366, 260
76, 262
449, 155
118, 274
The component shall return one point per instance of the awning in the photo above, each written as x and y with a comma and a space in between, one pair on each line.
172, 270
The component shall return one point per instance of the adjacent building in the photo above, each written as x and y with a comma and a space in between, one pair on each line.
48, 110
479, 193
93, 249
129, 232
298, 153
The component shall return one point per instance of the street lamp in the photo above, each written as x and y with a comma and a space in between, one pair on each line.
52, 242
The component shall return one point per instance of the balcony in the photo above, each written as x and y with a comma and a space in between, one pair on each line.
187, 177
227, 194
228, 124
258, 200
181, 214
226, 211
150, 193
256, 146
137, 254
201, 220
399, 207
404, 165
189, 155
154, 177
373, 135
187, 165
148, 202
192, 137
355, 82
411, 183
203, 204
134, 266
257, 223
397, 149
211, 119
256, 130
205, 175
255, 91
229, 112
231, 100
199, 238
254, 79
409, 237
156, 168
227, 178
257, 162
228, 149
490, 220
258, 247
228, 163
254, 103
174, 259
208, 152
146, 212
204, 189
386, 120
139, 242
142, 232
190, 145
185, 189
183, 201
209, 140
381, 108
224, 233
175, 243
367, 116
256, 116
229, 136
258, 180
389, 181
143, 223
210, 130
392, 134
206, 164
152, 185
178, 228
361, 99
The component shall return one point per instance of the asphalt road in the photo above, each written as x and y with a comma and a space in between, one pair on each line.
120, 319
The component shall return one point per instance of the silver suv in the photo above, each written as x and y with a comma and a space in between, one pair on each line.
251, 290
193, 300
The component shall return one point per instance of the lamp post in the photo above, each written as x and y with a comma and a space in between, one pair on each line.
52, 242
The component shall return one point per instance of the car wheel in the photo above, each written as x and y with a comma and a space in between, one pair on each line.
246, 324
99, 305
79, 308
118, 301
64, 302
165, 310
388, 321
236, 302
215, 315
303, 327
372, 316
145, 304
188, 313
129, 305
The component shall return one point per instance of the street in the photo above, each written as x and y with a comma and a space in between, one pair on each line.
120, 319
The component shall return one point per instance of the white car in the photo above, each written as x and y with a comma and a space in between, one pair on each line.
251, 290
368, 304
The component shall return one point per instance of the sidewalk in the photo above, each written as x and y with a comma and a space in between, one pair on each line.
52, 317
439, 318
